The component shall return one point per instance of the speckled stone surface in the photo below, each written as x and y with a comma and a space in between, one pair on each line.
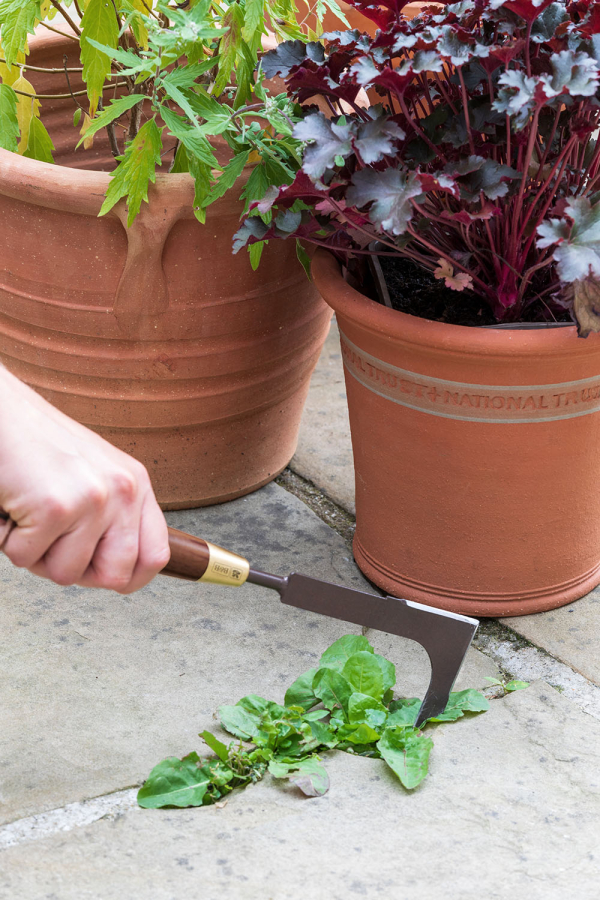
324, 453
97, 688
510, 809
570, 634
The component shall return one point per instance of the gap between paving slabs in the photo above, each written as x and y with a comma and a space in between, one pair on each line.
516, 657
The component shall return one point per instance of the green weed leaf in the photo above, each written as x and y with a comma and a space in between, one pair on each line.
363, 672
404, 711
215, 745
301, 693
337, 655
363, 708
461, 702
175, 782
332, 688
308, 774
406, 752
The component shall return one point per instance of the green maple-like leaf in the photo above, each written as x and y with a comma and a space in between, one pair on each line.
136, 169
99, 22
17, 20
253, 20
39, 145
9, 125
112, 112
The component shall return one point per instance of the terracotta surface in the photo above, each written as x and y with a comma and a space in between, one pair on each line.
477, 464
157, 337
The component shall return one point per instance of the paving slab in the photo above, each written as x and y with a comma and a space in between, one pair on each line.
510, 809
570, 633
97, 688
324, 452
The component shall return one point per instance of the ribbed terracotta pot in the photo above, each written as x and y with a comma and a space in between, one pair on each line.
476, 455
156, 336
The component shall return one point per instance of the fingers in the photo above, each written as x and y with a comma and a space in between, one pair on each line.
29, 543
127, 558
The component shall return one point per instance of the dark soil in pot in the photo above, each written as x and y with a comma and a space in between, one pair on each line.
416, 291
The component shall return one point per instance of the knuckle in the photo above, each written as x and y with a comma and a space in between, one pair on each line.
125, 486
96, 497
56, 509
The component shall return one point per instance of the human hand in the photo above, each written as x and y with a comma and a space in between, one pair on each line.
85, 512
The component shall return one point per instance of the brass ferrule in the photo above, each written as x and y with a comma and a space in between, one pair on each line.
225, 567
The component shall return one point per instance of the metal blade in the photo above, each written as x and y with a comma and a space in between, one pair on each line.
445, 636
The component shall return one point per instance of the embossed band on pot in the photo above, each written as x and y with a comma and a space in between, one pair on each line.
499, 404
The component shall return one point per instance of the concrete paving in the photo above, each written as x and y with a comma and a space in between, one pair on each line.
510, 809
324, 452
97, 688
571, 634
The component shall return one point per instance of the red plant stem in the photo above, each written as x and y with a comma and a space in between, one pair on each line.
466, 108
540, 218
444, 93
525, 170
527, 48
551, 138
370, 235
437, 250
591, 169
562, 158
420, 131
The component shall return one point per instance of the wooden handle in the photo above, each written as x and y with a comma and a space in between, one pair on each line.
189, 556
194, 559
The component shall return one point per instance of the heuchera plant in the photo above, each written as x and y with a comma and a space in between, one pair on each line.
478, 157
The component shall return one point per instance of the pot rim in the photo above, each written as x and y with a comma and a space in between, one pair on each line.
79, 190
401, 327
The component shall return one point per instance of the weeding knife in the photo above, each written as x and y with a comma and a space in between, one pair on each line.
445, 636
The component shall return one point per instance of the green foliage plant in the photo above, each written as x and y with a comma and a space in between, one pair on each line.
163, 80
477, 155
345, 703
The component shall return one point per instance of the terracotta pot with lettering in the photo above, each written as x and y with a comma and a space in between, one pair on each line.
155, 336
476, 455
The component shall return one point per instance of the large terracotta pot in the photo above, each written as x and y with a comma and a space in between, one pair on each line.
156, 336
476, 455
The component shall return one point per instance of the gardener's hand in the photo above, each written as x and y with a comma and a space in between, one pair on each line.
85, 512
